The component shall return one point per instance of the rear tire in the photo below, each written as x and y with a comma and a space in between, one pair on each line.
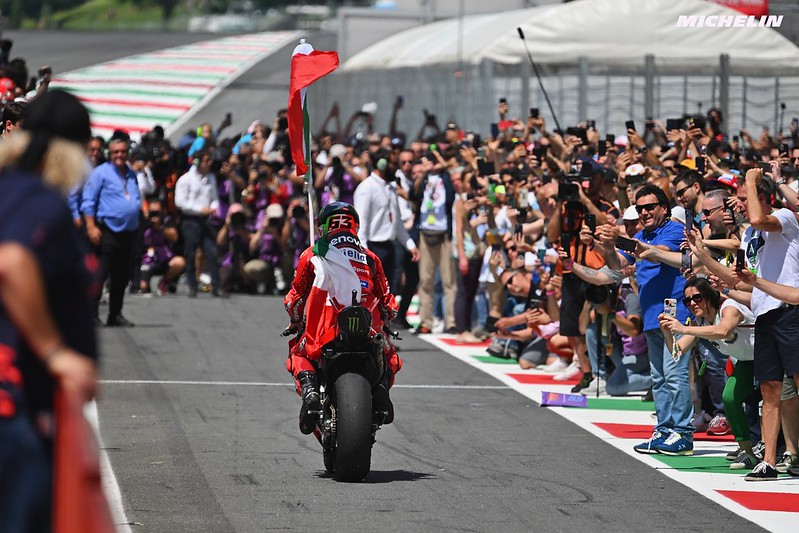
353, 452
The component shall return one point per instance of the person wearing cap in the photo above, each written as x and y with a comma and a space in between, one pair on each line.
196, 196
266, 248
111, 204
47, 277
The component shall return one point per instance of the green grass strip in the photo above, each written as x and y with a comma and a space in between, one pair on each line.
620, 404
146, 92
699, 463
495, 360
167, 118
111, 75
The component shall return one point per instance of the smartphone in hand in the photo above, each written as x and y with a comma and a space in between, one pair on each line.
629, 125
590, 221
685, 264
628, 245
740, 259
670, 307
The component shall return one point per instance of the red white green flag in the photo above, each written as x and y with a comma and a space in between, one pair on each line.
307, 66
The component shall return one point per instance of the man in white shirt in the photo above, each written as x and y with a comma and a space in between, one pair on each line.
196, 197
774, 253
377, 205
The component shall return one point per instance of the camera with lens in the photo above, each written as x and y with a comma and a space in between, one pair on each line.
238, 221
568, 186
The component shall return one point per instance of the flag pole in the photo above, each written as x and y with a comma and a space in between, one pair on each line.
309, 181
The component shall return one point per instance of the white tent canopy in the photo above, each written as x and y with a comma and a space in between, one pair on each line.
608, 33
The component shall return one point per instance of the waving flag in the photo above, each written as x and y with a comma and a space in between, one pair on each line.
307, 66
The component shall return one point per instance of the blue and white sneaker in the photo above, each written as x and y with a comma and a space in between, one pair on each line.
648, 446
675, 444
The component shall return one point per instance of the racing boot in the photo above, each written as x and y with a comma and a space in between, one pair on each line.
311, 404
381, 402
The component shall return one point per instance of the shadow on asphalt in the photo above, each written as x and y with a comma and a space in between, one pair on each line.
385, 476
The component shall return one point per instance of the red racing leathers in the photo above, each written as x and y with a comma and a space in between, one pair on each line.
320, 324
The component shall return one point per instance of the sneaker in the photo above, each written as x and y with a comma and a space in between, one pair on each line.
701, 421
648, 397
163, 287
468, 338
438, 326
731, 456
762, 472
558, 365
793, 471
719, 426
675, 444
118, 321
648, 446
788, 460
744, 461
422, 330
481, 333
591, 389
588, 377
503, 349
452, 330
571, 372
759, 450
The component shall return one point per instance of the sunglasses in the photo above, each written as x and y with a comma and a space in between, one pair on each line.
680, 192
646, 207
510, 248
708, 212
696, 298
408, 162
510, 280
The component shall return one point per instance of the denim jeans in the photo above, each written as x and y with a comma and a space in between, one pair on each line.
632, 374
25, 474
670, 387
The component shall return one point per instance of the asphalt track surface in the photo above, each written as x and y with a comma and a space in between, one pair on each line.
222, 457
217, 457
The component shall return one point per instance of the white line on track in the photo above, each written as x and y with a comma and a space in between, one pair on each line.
110, 485
283, 384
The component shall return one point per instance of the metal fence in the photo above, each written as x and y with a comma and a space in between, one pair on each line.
469, 95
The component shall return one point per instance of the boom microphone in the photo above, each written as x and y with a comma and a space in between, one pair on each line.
538, 75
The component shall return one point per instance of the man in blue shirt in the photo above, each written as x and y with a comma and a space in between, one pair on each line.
657, 281
110, 205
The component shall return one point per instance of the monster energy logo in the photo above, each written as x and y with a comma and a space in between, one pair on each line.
353, 322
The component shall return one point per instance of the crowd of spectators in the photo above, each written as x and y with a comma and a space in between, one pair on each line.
654, 262
624, 262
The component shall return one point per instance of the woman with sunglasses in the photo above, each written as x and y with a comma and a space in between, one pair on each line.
731, 326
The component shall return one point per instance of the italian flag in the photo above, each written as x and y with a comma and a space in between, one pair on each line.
307, 66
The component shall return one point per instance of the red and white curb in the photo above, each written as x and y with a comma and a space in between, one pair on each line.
773, 505
166, 87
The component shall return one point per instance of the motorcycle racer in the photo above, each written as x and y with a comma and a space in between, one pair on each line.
328, 275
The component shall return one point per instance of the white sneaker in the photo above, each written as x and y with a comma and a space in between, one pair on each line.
572, 371
558, 365
438, 326
590, 390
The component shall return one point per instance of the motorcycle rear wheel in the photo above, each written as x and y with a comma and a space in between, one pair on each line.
353, 451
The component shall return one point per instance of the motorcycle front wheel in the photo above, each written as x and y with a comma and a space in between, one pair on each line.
353, 451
